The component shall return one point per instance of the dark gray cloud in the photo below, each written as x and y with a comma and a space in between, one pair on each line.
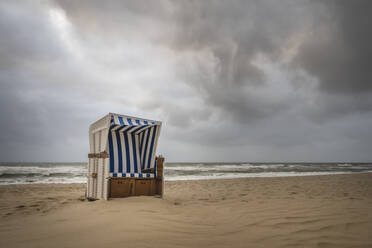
230, 39
236, 80
337, 51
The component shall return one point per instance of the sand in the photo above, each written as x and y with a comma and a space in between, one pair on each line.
313, 211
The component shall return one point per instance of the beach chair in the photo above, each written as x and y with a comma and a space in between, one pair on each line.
122, 159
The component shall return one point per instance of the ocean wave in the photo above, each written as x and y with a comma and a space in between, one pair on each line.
48, 174
25, 173
222, 167
253, 175
344, 165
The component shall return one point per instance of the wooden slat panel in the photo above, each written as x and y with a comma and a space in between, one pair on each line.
158, 186
98, 155
144, 187
159, 167
160, 176
122, 187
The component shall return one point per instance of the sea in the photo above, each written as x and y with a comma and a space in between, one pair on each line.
30, 173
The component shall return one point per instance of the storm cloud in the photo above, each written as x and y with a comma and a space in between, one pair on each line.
232, 81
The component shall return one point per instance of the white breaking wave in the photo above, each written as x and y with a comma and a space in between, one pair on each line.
26, 173
251, 175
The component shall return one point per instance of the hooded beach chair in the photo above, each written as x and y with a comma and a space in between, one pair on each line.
122, 159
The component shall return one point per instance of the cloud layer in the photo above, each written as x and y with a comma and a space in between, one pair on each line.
232, 81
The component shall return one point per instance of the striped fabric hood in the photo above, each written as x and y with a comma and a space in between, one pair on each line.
132, 144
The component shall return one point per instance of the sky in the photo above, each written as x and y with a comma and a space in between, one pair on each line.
230, 80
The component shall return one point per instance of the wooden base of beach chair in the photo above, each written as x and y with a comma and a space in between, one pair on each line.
159, 181
145, 187
158, 187
124, 187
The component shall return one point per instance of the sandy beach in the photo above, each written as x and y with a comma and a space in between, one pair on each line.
313, 211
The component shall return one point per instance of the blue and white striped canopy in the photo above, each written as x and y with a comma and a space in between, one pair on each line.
132, 144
